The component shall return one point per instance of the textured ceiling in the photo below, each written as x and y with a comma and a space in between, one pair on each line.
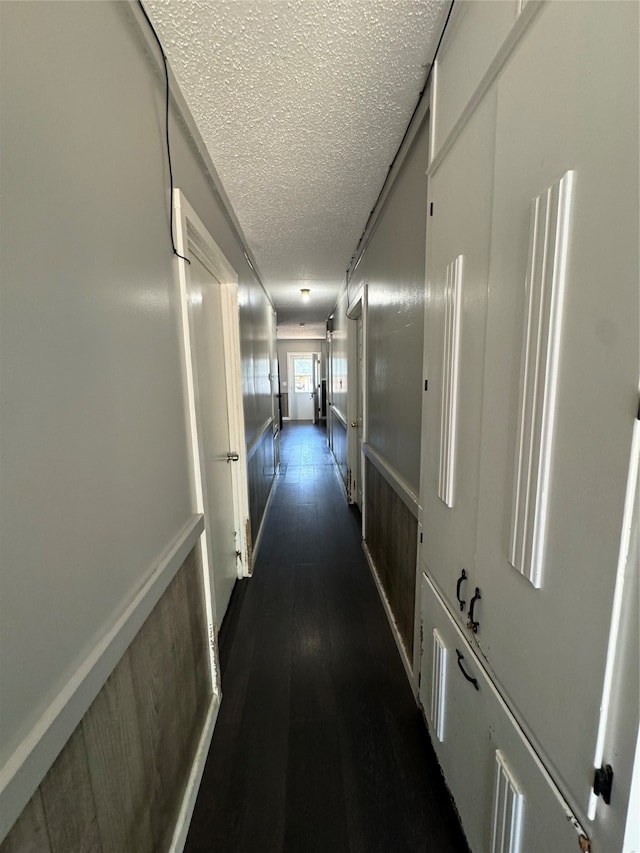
302, 105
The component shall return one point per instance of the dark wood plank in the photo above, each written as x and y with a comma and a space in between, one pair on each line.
312, 687
117, 767
316, 820
29, 833
241, 804
68, 801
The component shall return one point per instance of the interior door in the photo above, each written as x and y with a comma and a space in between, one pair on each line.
316, 387
359, 408
208, 361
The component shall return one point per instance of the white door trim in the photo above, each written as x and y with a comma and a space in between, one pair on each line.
193, 238
291, 355
357, 309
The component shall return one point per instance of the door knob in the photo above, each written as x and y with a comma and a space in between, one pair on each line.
354, 423
232, 457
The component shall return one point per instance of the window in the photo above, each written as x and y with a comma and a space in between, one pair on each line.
302, 375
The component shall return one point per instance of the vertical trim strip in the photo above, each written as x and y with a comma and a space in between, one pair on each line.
508, 807
450, 372
546, 274
625, 565
438, 685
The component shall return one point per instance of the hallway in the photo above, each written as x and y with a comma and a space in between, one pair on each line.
319, 745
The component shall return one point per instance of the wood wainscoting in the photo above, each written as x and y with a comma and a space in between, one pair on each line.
338, 443
261, 474
391, 539
119, 783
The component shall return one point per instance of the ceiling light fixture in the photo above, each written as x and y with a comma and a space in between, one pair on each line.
304, 291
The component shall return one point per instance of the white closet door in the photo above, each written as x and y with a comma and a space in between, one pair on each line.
457, 280
561, 375
506, 799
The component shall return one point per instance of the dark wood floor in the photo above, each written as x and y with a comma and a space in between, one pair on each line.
319, 745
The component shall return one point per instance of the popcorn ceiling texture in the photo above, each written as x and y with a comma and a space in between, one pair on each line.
302, 106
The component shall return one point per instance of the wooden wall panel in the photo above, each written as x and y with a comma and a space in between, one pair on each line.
163, 738
338, 435
199, 632
391, 538
261, 471
29, 834
69, 805
116, 765
117, 786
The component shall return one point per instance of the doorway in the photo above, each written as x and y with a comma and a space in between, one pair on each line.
211, 350
302, 370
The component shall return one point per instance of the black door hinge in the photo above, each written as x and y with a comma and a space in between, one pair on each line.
421, 538
602, 782
426, 384
431, 209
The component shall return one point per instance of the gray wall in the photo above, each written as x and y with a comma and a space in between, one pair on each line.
393, 266
95, 473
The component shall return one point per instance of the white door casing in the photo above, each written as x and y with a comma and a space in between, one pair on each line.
211, 360
301, 403
357, 418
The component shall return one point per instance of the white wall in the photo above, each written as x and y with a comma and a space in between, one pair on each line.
95, 479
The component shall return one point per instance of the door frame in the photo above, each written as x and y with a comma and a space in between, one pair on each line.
192, 237
357, 380
291, 355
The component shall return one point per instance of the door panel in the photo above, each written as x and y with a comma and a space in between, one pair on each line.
457, 282
207, 353
562, 627
505, 797
360, 376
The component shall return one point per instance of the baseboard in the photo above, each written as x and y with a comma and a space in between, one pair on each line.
413, 681
195, 777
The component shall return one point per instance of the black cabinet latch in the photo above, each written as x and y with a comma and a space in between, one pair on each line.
602, 782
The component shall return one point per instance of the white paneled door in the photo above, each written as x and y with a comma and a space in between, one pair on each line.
207, 353
211, 339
